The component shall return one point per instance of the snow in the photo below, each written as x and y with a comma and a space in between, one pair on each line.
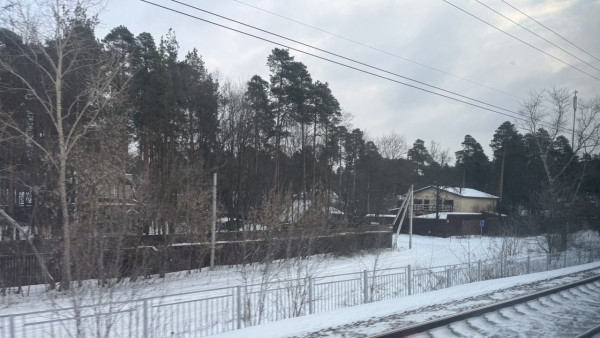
426, 252
464, 192
468, 192
444, 215
299, 207
370, 319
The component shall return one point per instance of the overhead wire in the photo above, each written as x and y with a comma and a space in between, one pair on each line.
339, 56
512, 114
381, 50
520, 40
537, 35
551, 30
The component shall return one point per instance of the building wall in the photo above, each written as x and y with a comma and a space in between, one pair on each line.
476, 205
461, 204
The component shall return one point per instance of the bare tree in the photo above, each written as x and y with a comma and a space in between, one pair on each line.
53, 38
547, 116
439, 155
392, 145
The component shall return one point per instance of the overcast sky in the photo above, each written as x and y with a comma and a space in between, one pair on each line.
473, 58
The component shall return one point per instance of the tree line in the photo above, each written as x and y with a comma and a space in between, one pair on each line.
78, 113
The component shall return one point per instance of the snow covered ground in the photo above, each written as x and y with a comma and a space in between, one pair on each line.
378, 317
426, 252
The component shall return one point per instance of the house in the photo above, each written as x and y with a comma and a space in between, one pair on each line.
450, 211
452, 199
300, 206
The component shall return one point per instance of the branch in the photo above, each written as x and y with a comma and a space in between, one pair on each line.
35, 251
9, 122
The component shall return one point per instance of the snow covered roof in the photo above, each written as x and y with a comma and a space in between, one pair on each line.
335, 211
299, 207
464, 192
444, 215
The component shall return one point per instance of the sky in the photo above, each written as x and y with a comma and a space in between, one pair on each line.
430, 41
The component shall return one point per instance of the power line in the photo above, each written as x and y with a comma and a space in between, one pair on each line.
341, 56
380, 50
534, 33
516, 38
513, 114
541, 24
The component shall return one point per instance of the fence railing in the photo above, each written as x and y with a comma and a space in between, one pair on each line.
215, 311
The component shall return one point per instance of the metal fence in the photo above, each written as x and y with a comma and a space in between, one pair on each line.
215, 311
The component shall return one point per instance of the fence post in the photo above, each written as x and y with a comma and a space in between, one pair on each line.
528, 264
311, 304
409, 280
448, 275
365, 287
579, 257
565, 259
239, 307
146, 319
479, 270
11, 324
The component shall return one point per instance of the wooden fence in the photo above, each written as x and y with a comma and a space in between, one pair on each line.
150, 256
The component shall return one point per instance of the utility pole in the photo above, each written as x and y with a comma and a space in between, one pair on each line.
464, 178
437, 200
501, 183
410, 225
214, 223
574, 110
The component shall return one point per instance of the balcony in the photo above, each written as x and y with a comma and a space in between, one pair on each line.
429, 208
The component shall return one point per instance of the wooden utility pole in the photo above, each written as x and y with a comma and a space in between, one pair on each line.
406, 204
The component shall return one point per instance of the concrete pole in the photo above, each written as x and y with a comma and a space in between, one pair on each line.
411, 205
214, 223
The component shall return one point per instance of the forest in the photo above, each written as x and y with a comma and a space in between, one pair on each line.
131, 122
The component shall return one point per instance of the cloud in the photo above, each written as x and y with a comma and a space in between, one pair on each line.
428, 32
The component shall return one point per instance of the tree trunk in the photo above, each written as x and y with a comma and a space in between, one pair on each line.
62, 179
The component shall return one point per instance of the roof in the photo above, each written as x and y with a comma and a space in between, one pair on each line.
464, 192
299, 207
444, 215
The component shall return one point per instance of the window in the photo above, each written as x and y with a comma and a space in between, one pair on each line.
426, 202
418, 201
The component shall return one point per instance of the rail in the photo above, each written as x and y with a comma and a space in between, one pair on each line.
447, 320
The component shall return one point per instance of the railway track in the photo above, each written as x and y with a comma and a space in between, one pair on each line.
570, 310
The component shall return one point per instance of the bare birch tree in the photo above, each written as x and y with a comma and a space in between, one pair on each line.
56, 44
